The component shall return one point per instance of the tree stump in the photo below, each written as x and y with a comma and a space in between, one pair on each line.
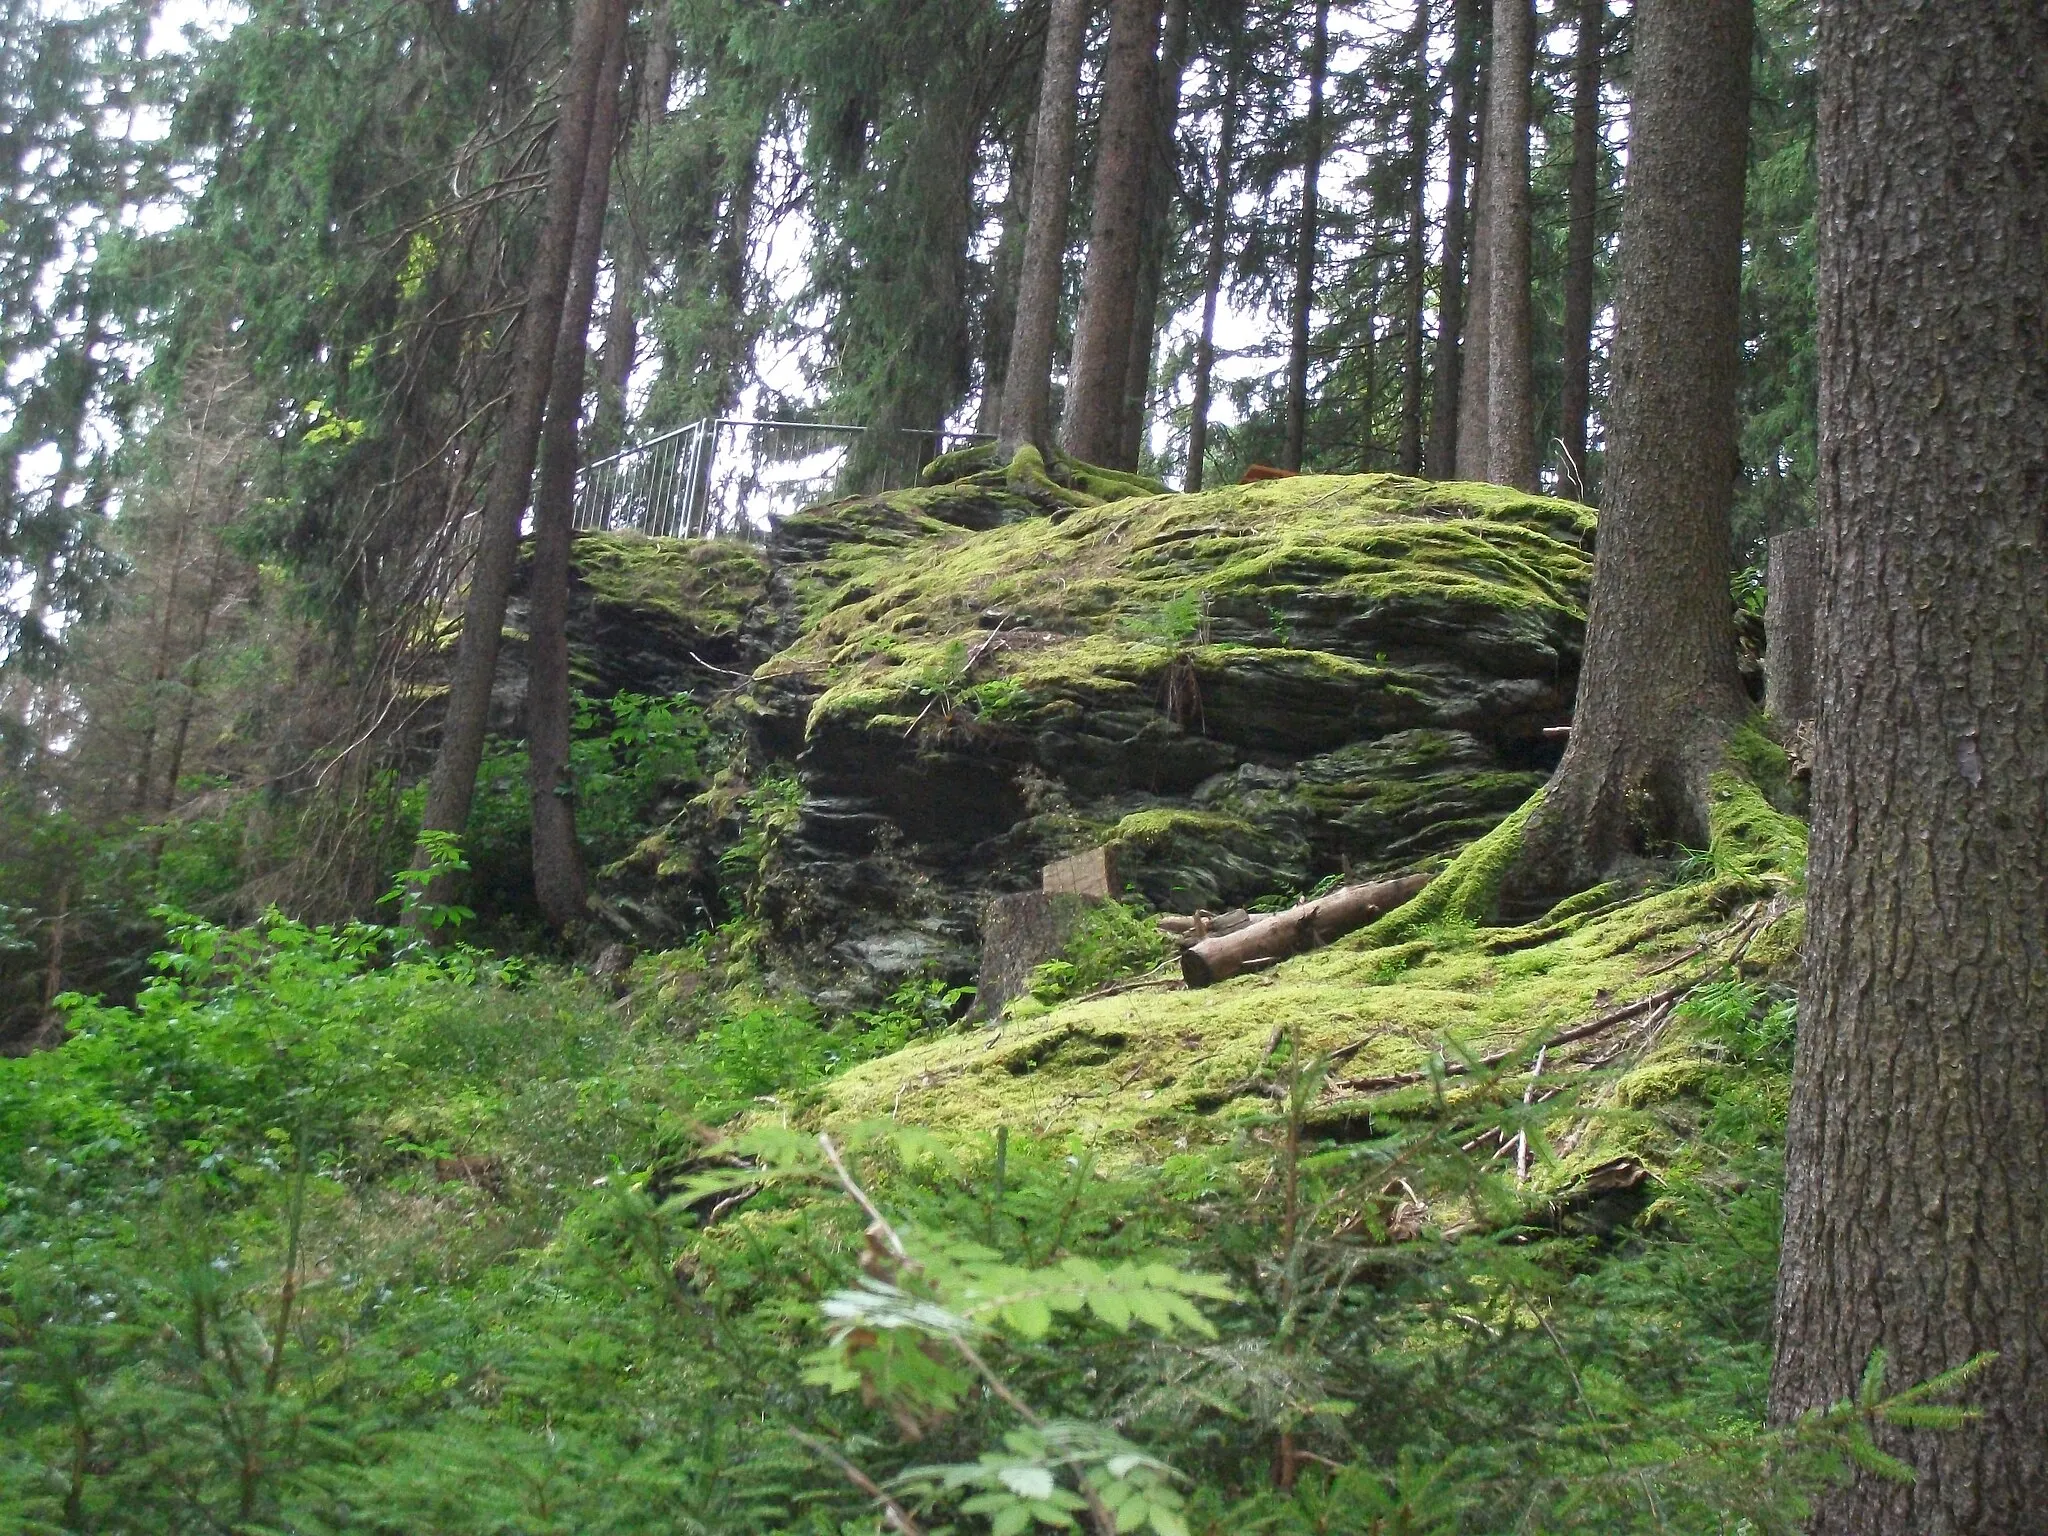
1792, 582
1018, 934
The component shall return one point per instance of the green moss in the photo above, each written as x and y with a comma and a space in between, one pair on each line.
1109, 942
1465, 891
707, 584
1146, 1068
1776, 950
1166, 828
1755, 753
1751, 836
1065, 480
1335, 555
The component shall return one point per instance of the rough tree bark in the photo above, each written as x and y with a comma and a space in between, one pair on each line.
1092, 428
1916, 1202
1305, 243
1510, 381
1658, 689
1213, 262
1417, 274
1582, 202
1158, 232
1475, 365
1791, 682
1027, 379
1441, 456
453, 783
560, 886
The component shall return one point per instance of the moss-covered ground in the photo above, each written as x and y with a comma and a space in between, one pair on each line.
1154, 1069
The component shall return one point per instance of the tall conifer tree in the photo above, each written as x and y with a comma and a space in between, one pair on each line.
1510, 378
1658, 688
560, 885
1092, 428
1916, 1202
1583, 198
467, 714
1302, 306
1027, 386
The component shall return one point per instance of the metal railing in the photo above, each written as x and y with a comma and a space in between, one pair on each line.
730, 477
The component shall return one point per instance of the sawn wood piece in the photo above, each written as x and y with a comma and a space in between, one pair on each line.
1295, 931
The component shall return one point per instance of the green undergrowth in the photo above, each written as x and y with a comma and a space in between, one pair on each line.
332, 1233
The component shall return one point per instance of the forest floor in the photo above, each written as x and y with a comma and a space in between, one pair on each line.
1445, 1227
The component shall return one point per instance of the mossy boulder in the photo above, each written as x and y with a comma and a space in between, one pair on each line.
1246, 690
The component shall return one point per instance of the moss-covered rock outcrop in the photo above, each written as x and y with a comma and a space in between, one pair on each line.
651, 616
1245, 690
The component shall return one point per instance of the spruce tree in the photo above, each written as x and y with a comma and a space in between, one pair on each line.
1416, 273
1441, 456
1027, 385
1583, 204
1307, 230
1658, 687
560, 885
1510, 380
467, 713
1216, 257
1475, 362
1092, 426
1916, 1202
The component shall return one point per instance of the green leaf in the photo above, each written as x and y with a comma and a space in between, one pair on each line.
1114, 1309
1029, 1317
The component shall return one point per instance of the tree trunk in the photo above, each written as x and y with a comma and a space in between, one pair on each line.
1659, 689
453, 783
1417, 275
733, 353
1582, 201
1027, 378
1791, 690
1475, 366
999, 314
1173, 59
1212, 271
1916, 1202
1441, 458
1092, 429
145, 771
629, 262
195, 662
1510, 381
53, 962
560, 886
1305, 233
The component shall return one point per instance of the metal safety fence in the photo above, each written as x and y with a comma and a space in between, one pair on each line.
730, 477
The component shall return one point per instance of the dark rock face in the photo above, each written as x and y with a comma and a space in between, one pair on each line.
1246, 691
649, 616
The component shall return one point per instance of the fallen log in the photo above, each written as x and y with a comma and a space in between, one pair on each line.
1295, 931
1192, 930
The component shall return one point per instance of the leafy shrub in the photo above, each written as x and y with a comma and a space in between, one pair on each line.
1112, 940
